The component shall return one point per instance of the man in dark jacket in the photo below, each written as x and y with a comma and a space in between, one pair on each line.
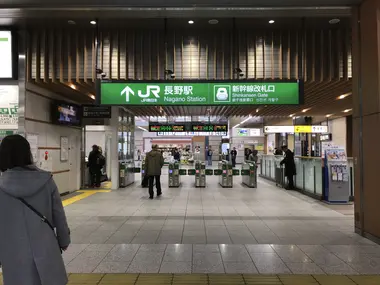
290, 166
233, 156
153, 164
95, 164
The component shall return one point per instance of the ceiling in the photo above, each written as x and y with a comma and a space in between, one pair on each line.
17, 12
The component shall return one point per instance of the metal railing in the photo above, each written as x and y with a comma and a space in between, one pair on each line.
310, 173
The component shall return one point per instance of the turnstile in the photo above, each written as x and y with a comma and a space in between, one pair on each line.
174, 177
226, 178
249, 174
200, 174
126, 173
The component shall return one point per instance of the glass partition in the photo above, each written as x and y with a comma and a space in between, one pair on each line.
309, 170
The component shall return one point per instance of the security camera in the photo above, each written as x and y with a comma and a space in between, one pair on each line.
103, 75
172, 76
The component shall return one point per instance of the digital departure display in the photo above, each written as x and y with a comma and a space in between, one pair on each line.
209, 128
167, 128
188, 127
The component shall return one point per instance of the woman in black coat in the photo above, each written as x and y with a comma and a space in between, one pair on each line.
290, 167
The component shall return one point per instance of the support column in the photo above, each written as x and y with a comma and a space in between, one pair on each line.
114, 152
366, 118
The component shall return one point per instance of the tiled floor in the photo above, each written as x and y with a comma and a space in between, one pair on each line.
214, 230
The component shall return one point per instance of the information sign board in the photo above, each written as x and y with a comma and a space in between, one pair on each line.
201, 93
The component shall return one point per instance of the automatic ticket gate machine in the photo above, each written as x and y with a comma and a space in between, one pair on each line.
249, 174
226, 177
200, 174
174, 177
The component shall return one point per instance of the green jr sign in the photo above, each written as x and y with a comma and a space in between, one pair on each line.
201, 93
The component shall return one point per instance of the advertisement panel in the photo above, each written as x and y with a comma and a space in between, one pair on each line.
6, 68
200, 93
8, 107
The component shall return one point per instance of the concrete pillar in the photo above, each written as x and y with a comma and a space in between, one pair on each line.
366, 117
114, 127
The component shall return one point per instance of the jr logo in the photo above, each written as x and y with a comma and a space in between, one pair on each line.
150, 89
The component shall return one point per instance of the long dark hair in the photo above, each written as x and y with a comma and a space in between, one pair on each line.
15, 152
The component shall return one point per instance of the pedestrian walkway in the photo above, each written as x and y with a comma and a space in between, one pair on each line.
220, 279
215, 230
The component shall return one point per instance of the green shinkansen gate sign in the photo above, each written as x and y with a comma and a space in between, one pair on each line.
165, 93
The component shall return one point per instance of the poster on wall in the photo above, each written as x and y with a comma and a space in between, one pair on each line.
6, 70
8, 107
64, 148
33, 141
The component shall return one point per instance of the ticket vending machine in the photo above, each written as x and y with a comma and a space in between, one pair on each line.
174, 177
200, 174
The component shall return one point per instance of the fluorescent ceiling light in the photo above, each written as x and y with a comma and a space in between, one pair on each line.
328, 115
246, 120
93, 22
141, 128
305, 110
271, 22
347, 110
92, 97
236, 126
291, 115
72, 86
191, 22
343, 96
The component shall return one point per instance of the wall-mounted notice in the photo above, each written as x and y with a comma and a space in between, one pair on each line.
33, 141
6, 68
8, 107
64, 148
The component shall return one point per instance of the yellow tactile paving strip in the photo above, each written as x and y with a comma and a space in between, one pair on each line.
83, 194
219, 279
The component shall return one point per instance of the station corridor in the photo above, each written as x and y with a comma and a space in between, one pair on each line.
215, 230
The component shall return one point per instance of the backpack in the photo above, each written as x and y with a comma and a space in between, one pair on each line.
101, 160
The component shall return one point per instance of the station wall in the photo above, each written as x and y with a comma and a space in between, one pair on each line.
67, 174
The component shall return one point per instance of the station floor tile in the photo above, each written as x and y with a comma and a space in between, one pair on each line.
218, 279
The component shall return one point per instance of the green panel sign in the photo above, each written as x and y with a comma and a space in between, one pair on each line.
217, 172
209, 172
182, 172
245, 172
191, 171
236, 172
201, 93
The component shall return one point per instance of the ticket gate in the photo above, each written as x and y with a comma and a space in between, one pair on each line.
174, 177
226, 178
126, 173
200, 174
249, 174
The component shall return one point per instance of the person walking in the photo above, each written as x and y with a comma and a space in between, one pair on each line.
95, 164
209, 156
154, 161
254, 156
233, 156
177, 155
290, 167
33, 223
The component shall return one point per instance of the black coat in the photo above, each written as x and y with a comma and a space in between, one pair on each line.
290, 166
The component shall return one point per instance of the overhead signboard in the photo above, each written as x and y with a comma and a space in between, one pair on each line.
188, 127
296, 129
319, 129
278, 129
94, 111
190, 134
246, 132
201, 93
6, 57
325, 138
302, 129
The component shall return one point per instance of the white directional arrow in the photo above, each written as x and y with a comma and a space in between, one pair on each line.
127, 90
